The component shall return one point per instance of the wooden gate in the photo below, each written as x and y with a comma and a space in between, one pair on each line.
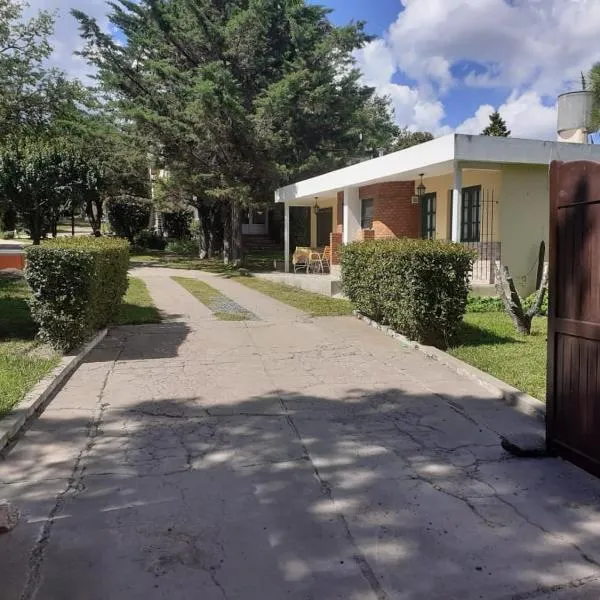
573, 411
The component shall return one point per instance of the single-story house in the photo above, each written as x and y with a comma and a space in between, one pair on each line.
490, 193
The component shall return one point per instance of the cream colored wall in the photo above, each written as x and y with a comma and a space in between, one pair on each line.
490, 182
323, 203
524, 220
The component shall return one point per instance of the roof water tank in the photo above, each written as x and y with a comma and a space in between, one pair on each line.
574, 115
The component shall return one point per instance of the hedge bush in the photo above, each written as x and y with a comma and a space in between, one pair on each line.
418, 287
77, 285
128, 216
185, 247
150, 240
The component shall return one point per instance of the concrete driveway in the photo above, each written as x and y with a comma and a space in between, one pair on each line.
284, 458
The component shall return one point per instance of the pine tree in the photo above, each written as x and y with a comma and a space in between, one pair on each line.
497, 126
241, 96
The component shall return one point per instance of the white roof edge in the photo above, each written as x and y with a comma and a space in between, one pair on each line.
481, 148
430, 153
453, 147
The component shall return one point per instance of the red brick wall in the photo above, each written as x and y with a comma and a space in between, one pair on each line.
335, 241
394, 214
367, 234
340, 213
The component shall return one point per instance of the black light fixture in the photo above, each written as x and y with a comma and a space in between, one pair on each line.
421, 189
316, 207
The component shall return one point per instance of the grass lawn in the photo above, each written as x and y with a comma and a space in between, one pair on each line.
221, 306
23, 360
489, 342
314, 304
157, 258
137, 307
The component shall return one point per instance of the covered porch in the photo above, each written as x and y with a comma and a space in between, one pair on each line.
421, 192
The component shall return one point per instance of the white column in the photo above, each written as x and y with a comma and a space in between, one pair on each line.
286, 237
457, 203
351, 214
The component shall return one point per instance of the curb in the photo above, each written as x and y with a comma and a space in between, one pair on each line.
44, 391
511, 396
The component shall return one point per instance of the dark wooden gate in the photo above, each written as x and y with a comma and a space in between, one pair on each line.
573, 411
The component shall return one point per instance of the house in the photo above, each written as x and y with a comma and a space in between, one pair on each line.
489, 193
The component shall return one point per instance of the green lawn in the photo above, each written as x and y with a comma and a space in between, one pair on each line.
221, 306
156, 258
489, 342
316, 305
23, 361
137, 307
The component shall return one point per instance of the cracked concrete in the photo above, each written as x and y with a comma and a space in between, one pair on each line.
285, 458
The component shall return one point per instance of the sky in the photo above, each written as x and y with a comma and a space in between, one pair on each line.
445, 64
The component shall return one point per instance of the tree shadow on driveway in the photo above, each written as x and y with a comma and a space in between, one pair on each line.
354, 494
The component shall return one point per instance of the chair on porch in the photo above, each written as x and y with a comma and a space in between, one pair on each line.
319, 261
301, 258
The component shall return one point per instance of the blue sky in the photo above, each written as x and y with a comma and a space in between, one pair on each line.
448, 63
445, 64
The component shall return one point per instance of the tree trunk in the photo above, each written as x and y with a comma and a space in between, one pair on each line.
236, 234
36, 225
226, 214
72, 219
94, 212
204, 230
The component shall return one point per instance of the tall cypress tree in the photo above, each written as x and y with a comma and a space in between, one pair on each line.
244, 95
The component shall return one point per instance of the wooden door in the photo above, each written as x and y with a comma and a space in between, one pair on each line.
573, 411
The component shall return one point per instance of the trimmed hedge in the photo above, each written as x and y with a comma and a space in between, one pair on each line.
128, 216
77, 285
418, 287
149, 239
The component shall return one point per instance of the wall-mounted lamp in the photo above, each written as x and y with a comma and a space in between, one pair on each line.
316, 207
421, 189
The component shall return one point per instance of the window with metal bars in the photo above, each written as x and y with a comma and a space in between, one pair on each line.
471, 214
366, 214
428, 210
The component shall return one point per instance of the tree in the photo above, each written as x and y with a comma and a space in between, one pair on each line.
37, 178
407, 138
594, 86
497, 126
242, 95
31, 94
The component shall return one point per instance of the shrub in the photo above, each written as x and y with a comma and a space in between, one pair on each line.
150, 240
178, 224
187, 247
8, 235
77, 285
128, 216
480, 304
530, 301
418, 287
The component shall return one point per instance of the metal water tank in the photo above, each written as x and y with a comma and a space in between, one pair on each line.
574, 116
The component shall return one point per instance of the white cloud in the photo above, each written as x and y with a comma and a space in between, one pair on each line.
66, 40
530, 49
536, 44
525, 114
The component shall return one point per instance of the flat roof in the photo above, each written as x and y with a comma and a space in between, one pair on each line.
438, 157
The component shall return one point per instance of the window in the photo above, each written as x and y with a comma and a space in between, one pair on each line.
428, 206
366, 214
471, 214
